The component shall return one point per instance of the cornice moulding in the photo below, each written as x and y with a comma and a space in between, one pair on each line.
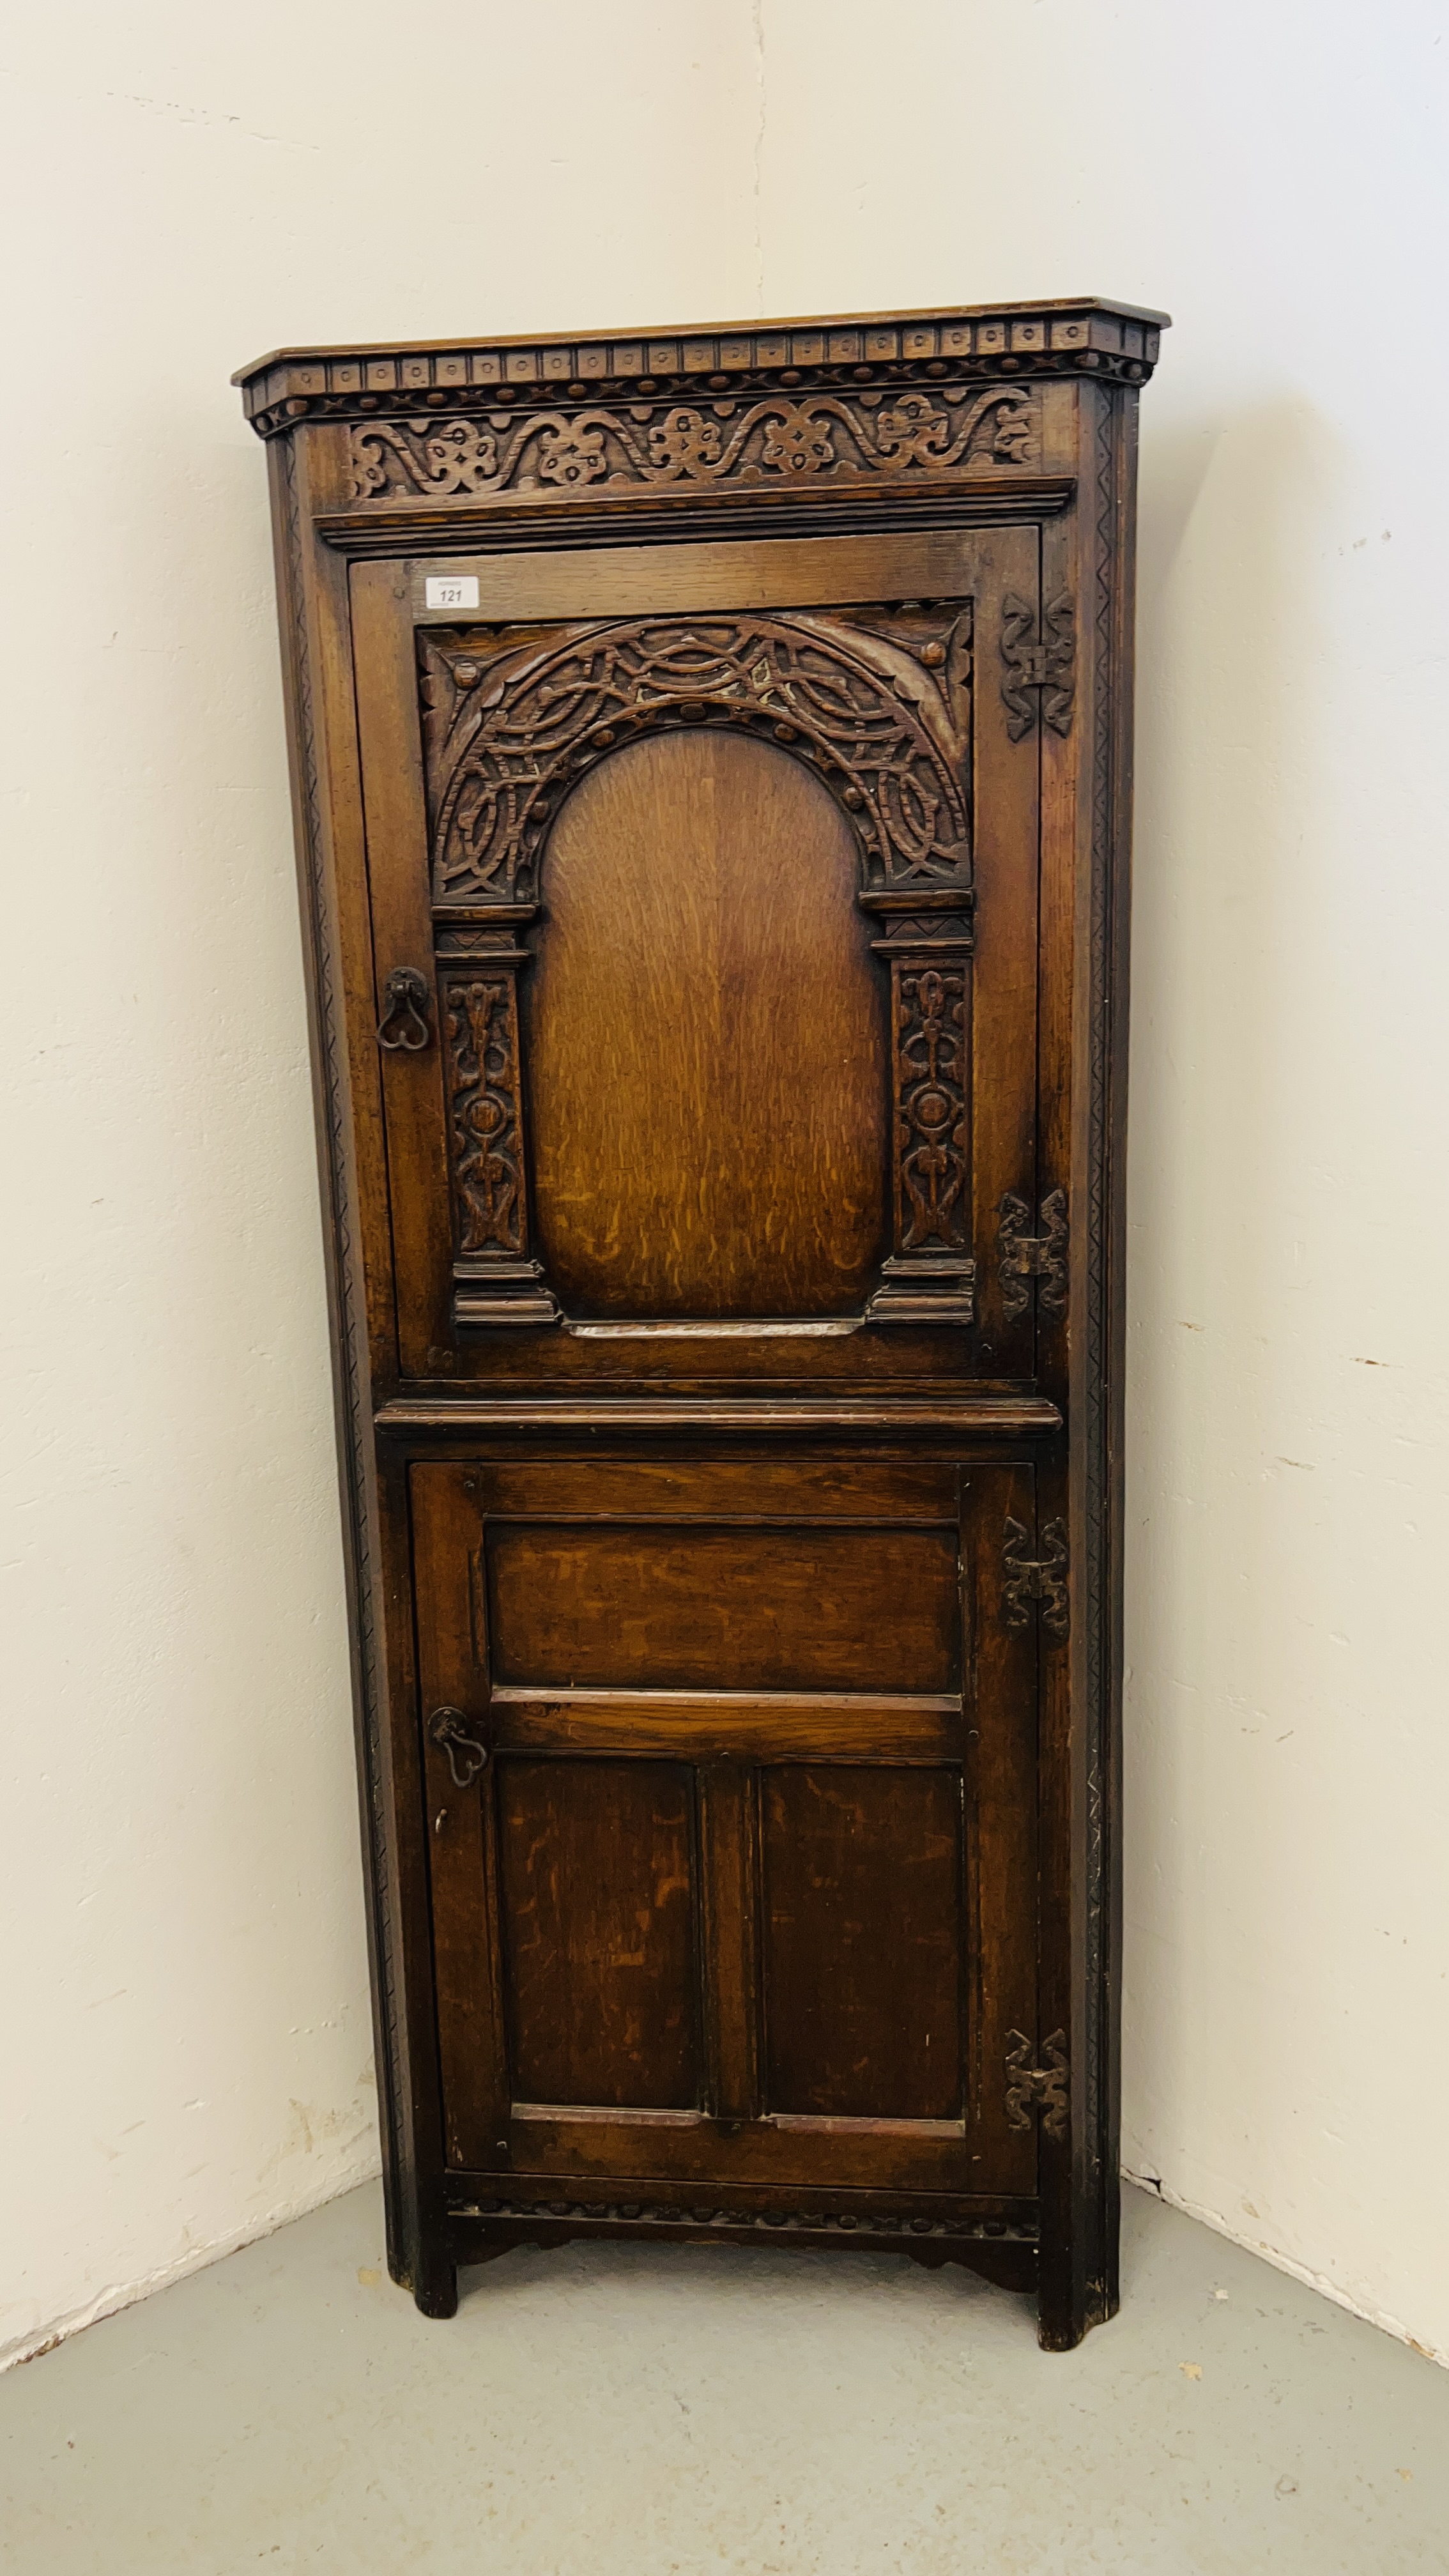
1088, 336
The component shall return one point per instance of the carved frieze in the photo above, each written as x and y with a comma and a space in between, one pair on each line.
880, 713
728, 439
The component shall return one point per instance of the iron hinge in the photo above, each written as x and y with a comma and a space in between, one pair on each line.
1023, 1257
1038, 666
1046, 2088
1043, 1579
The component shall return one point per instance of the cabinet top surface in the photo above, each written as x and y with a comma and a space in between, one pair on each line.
1089, 332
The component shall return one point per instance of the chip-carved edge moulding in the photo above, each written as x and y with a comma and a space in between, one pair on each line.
941, 418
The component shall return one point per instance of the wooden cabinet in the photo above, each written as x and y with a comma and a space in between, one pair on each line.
712, 773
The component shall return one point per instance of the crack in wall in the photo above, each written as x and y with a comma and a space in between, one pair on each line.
757, 22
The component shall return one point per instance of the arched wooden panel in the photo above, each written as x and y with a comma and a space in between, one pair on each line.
706, 1041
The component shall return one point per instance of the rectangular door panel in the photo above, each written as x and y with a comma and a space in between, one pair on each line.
863, 1936
596, 1898
651, 1605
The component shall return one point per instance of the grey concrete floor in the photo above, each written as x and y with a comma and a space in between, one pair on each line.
626, 2411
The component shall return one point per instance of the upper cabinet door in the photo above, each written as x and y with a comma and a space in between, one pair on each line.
704, 883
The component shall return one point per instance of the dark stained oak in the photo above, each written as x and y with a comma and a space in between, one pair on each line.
862, 1942
711, 758
596, 1905
659, 1606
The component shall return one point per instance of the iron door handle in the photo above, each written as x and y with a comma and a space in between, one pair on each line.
405, 999
449, 1730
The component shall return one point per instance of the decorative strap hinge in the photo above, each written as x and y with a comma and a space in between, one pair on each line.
1038, 668
1023, 1256
1045, 2088
1041, 1579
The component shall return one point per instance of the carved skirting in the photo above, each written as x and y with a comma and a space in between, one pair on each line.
768, 2222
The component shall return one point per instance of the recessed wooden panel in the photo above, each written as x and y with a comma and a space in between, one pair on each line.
660, 1605
861, 1942
597, 1907
706, 1041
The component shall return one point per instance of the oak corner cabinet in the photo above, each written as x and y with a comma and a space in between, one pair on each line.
712, 768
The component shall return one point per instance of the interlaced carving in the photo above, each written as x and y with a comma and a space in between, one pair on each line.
885, 727
483, 1104
930, 1060
834, 435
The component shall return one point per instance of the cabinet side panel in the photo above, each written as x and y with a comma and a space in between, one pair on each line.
1117, 945
353, 1330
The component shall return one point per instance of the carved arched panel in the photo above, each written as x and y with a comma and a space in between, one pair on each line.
873, 708
881, 711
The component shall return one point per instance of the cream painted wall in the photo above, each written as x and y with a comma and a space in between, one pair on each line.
185, 2019
186, 2014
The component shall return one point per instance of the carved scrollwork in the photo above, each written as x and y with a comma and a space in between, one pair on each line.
884, 726
834, 435
483, 1110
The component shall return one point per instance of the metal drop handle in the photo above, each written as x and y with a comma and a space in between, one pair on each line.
448, 1728
405, 998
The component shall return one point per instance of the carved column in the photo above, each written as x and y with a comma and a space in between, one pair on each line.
496, 1280
929, 1276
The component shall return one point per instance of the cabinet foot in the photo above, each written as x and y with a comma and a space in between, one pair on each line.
436, 2288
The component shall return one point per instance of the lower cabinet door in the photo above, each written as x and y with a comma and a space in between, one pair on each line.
731, 1777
